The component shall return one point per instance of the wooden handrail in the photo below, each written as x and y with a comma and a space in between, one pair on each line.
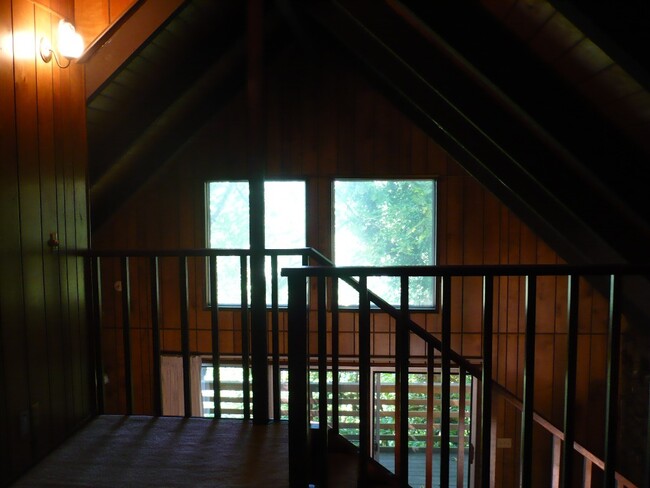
363, 272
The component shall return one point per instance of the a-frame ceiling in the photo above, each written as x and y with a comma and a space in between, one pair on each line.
550, 117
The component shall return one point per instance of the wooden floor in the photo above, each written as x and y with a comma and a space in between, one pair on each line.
136, 451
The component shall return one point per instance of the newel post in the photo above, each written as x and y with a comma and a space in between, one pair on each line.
299, 458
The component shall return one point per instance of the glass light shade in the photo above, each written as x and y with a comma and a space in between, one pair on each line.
71, 45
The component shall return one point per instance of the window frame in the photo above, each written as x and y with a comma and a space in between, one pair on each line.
207, 236
434, 307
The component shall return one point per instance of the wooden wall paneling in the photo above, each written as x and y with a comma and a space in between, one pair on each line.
169, 298
348, 338
515, 285
274, 123
418, 149
380, 334
382, 125
364, 131
51, 266
64, 201
473, 232
345, 127
30, 234
491, 228
326, 128
442, 203
294, 132
597, 390
226, 339
7, 167
454, 221
73, 169
512, 359
560, 361
171, 338
16, 443
310, 103
79, 156
118, 8
544, 373
91, 18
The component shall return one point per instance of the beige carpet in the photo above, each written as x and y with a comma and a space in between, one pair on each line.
135, 451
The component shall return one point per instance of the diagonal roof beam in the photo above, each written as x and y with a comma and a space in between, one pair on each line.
486, 132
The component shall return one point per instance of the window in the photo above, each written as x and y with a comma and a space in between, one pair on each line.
228, 220
385, 223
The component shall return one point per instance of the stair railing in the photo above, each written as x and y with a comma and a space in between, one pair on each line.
305, 469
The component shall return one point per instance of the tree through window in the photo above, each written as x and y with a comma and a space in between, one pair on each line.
386, 223
228, 228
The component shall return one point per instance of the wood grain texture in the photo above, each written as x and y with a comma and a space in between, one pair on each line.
43, 328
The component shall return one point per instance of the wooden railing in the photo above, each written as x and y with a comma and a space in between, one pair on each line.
304, 470
152, 262
316, 306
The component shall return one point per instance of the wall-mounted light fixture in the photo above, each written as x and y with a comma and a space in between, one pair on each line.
70, 45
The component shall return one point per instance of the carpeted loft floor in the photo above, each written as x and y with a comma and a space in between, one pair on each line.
166, 452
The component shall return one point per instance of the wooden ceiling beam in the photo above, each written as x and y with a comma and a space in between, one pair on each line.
489, 135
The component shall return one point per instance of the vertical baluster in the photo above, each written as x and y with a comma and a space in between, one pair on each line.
526, 466
185, 335
460, 465
586, 473
428, 474
646, 475
335, 354
298, 338
214, 323
486, 381
556, 450
322, 381
245, 337
94, 265
570, 381
364, 380
446, 378
275, 339
613, 354
126, 332
402, 385
154, 288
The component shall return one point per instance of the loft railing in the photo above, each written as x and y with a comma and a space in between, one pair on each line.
124, 265
306, 469
145, 269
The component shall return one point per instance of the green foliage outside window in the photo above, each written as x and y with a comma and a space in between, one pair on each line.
386, 223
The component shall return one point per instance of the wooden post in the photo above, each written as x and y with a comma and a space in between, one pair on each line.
259, 343
155, 334
126, 332
526, 463
214, 323
299, 458
486, 381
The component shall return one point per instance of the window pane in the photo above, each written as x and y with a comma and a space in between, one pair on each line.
284, 210
228, 225
228, 228
385, 223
